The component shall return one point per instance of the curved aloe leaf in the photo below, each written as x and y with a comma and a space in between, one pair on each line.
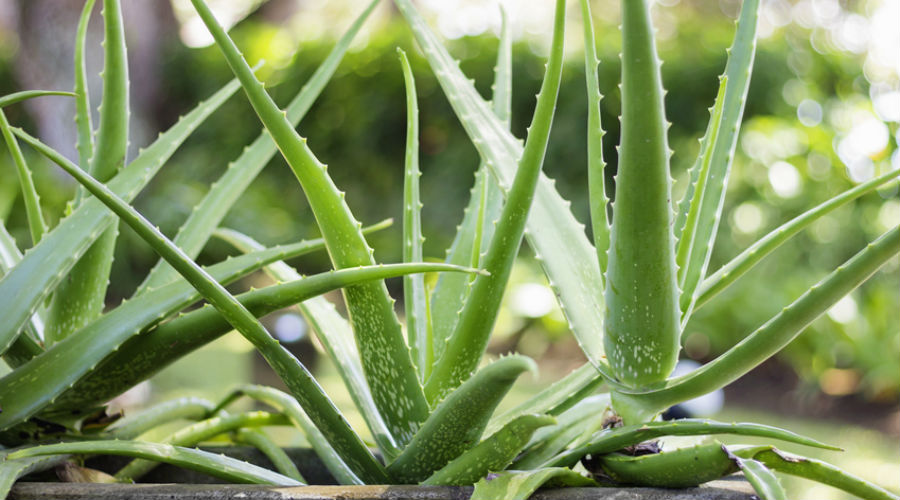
36, 224
208, 463
469, 339
762, 479
457, 423
25, 346
298, 379
15, 97
85, 141
201, 431
146, 354
696, 239
334, 332
611, 440
11, 470
491, 455
815, 470
558, 240
35, 277
642, 317
556, 398
476, 230
80, 297
736, 267
596, 165
132, 426
770, 337
207, 215
415, 301
287, 405
389, 370
261, 441
681, 468
519, 485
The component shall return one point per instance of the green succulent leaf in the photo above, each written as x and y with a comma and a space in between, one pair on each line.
738, 266
491, 455
476, 231
519, 485
762, 479
389, 369
681, 468
696, 239
16, 97
469, 339
815, 470
35, 277
611, 440
12, 470
457, 423
573, 426
642, 322
222, 195
208, 463
36, 223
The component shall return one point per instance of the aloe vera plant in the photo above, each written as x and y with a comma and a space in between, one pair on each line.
428, 403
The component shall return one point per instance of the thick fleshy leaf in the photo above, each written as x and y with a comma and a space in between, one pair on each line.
389, 369
573, 426
457, 423
681, 468
132, 426
83, 126
519, 485
36, 223
261, 441
762, 479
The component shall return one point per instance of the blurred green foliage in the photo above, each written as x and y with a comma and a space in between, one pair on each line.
357, 126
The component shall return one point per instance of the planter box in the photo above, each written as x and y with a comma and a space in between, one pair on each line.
188, 485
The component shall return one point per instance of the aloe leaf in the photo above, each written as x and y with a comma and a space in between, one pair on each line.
15, 97
596, 165
208, 214
132, 426
580, 421
558, 240
611, 440
762, 479
519, 485
738, 266
146, 354
198, 432
35, 277
208, 463
469, 339
298, 379
556, 398
702, 222
491, 455
287, 405
642, 317
457, 423
36, 384
414, 299
815, 470
85, 141
681, 468
389, 369
80, 297
36, 224
334, 332
11, 470
261, 441
25, 346
768, 339
475, 232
